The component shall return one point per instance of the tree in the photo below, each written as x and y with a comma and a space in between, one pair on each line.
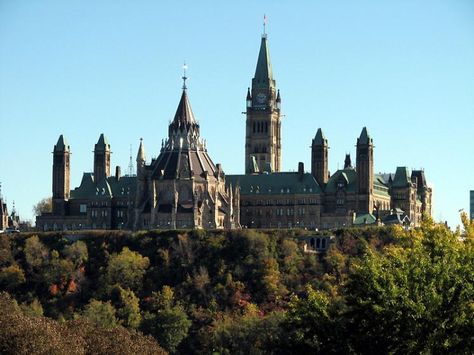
100, 313
166, 320
11, 277
127, 306
36, 254
312, 325
77, 253
127, 269
43, 206
416, 296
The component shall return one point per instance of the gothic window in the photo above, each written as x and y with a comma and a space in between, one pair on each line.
266, 127
254, 127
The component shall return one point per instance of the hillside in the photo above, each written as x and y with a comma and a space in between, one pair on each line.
375, 290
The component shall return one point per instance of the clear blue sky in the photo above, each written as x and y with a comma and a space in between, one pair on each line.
404, 69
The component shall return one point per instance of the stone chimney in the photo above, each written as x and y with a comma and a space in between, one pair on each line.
118, 173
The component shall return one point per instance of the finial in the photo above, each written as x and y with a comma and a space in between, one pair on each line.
184, 75
264, 25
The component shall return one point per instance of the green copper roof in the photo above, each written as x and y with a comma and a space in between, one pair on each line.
61, 145
380, 186
275, 183
319, 139
348, 176
110, 187
363, 219
402, 177
264, 68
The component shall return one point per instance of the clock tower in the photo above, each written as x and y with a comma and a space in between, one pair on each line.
263, 124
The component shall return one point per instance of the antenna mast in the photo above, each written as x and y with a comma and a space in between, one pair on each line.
130, 164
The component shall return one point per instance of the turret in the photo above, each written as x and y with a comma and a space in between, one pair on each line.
348, 162
365, 171
61, 175
319, 158
101, 159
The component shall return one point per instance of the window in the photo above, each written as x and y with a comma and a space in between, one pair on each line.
82, 208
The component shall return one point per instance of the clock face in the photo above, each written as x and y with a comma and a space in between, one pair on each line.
261, 97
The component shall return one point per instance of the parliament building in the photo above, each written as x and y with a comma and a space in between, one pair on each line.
183, 188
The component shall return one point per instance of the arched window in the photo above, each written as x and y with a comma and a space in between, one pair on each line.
318, 243
311, 242
323, 244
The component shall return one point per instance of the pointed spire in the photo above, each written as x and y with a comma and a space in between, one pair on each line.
263, 72
102, 144
249, 96
364, 137
184, 115
278, 99
141, 157
61, 145
319, 139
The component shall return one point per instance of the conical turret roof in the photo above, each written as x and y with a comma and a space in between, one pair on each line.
184, 117
141, 151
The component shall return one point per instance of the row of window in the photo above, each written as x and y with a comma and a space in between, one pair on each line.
303, 201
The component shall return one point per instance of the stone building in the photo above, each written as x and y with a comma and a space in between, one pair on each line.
354, 195
3, 213
183, 188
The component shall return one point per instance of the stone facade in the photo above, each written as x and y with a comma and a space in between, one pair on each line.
183, 188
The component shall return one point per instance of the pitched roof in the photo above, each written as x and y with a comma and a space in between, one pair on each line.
276, 183
363, 219
109, 187
349, 176
402, 177
380, 185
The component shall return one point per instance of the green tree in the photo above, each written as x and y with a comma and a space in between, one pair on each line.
100, 313
6, 256
126, 269
36, 254
11, 277
166, 320
32, 309
313, 325
77, 253
416, 296
127, 306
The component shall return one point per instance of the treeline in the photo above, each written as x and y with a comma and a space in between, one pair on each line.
376, 290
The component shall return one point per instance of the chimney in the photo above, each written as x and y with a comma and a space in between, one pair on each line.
117, 172
300, 168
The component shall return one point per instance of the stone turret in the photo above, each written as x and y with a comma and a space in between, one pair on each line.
319, 158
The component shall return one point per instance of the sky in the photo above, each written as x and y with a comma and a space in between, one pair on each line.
403, 68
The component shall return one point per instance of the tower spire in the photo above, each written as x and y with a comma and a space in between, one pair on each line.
184, 77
